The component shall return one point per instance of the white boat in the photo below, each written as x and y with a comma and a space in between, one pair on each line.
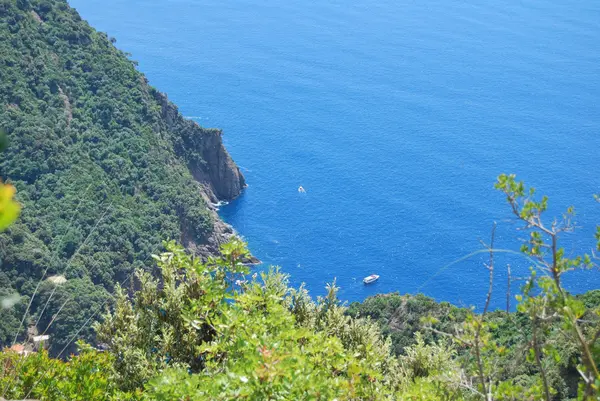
370, 279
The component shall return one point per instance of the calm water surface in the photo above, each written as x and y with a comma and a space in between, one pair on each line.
395, 116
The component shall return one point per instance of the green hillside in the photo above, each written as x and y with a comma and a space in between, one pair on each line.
105, 167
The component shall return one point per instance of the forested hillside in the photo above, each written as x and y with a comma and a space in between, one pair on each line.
105, 167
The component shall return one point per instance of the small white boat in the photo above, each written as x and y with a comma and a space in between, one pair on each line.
370, 279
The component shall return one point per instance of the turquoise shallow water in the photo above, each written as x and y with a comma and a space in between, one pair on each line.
395, 116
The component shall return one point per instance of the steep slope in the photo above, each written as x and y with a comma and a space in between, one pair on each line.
105, 166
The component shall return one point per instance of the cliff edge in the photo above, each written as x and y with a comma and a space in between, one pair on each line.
202, 148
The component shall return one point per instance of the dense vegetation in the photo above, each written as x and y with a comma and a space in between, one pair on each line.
102, 174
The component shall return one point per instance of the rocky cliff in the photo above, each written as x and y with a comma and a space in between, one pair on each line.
211, 166
208, 160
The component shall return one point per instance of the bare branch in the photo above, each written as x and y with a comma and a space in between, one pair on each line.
508, 290
491, 269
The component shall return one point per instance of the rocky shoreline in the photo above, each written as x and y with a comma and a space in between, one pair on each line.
212, 167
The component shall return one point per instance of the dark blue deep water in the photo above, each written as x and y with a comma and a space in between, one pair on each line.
396, 116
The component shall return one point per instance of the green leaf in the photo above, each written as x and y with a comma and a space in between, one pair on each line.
9, 209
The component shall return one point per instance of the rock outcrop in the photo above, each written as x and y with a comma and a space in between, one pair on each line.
208, 160
211, 165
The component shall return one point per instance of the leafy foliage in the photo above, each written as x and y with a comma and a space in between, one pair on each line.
400, 316
84, 377
214, 339
9, 209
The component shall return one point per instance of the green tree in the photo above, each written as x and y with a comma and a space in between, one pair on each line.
544, 298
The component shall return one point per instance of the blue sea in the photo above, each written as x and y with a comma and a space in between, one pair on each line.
396, 117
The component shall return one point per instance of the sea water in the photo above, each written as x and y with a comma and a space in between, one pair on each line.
395, 117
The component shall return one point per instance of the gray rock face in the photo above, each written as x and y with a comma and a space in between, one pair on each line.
219, 172
208, 160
